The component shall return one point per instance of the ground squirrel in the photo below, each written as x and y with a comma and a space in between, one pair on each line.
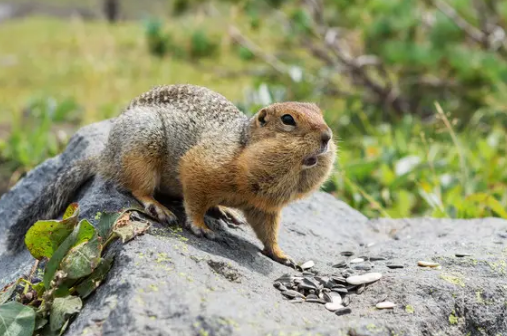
190, 142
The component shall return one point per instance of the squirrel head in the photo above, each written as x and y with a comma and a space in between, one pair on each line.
290, 150
301, 126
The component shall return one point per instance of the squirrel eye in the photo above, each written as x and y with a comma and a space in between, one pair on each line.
288, 120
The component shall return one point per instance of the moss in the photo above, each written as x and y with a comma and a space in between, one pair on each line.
228, 321
453, 319
480, 299
162, 257
453, 279
373, 328
409, 309
499, 267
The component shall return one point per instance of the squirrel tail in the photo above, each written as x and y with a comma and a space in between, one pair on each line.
54, 198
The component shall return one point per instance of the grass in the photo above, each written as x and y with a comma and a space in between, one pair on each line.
100, 66
409, 168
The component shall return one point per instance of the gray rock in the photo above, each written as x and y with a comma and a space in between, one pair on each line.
172, 283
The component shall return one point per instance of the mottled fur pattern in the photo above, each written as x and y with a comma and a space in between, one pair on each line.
190, 142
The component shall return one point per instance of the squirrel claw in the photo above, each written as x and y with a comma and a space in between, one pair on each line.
163, 214
200, 231
282, 259
229, 216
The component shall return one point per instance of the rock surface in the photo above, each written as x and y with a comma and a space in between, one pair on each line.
169, 282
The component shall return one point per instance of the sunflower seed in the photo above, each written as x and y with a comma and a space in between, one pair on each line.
364, 279
347, 253
377, 258
427, 264
340, 264
338, 279
393, 266
307, 283
297, 300
385, 305
333, 306
343, 311
336, 298
461, 255
362, 267
339, 290
327, 297
346, 301
280, 286
357, 261
307, 265
292, 294
313, 300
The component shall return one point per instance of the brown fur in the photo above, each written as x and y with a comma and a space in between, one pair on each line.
190, 142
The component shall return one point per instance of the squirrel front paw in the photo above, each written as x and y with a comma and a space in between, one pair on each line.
160, 212
279, 256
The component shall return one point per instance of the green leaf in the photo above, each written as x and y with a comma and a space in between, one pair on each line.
7, 292
82, 232
62, 291
39, 289
490, 202
106, 223
62, 310
44, 237
16, 319
40, 322
72, 212
82, 259
85, 288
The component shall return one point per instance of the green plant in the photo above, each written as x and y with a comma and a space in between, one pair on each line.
410, 168
157, 40
76, 264
32, 138
202, 45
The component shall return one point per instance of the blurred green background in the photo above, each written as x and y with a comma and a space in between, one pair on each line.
414, 90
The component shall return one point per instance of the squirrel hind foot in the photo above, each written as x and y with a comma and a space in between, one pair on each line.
231, 217
200, 229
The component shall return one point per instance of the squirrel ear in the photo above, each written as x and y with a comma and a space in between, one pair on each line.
262, 117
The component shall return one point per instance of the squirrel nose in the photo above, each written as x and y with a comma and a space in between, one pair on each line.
325, 137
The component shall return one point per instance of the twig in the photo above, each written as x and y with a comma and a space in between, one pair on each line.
488, 39
357, 67
33, 270
447, 123
271, 60
474, 33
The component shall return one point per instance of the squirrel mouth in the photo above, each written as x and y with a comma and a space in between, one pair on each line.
312, 160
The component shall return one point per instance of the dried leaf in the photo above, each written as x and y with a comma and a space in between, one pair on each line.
82, 259
127, 229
